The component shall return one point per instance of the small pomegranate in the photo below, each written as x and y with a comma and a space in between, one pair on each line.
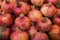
40, 36
14, 28
32, 31
21, 7
34, 14
53, 1
56, 19
7, 6
19, 35
54, 33
48, 10
4, 32
22, 22
37, 2
6, 19
44, 24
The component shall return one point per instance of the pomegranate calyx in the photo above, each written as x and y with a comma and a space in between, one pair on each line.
7, 1
22, 16
44, 19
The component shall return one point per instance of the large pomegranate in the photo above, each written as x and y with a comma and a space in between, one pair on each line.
54, 33
34, 14
53, 1
19, 35
48, 10
21, 7
7, 6
37, 2
22, 22
6, 19
4, 32
40, 36
44, 24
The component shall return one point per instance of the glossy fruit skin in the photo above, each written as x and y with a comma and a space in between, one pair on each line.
7, 6
53, 1
48, 10
5, 32
54, 33
6, 19
34, 14
37, 2
23, 8
19, 35
32, 31
44, 24
22, 22
40, 36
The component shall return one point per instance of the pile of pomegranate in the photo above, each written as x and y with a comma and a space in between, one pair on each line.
29, 19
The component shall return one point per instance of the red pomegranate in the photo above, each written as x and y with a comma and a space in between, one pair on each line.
44, 24
37, 2
21, 7
19, 35
6, 19
53, 1
56, 19
22, 22
40, 36
34, 14
54, 33
48, 10
4, 32
7, 6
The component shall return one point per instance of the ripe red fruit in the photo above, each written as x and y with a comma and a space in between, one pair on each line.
54, 33
32, 31
44, 24
6, 19
56, 19
22, 22
53, 1
19, 35
34, 14
21, 7
40, 36
37, 2
4, 32
48, 10
7, 6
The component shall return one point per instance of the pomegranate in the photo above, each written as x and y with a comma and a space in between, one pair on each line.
14, 28
4, 32
37, 2
48, 10
21, 7
7, 6
34, 14
56, 19
19, 35
44, 24
40, 36
54, 33
53, 1
6, 19
22, 22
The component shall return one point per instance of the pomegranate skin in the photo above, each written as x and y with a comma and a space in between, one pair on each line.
37, 2
48, 10
44, 24
53, 1
40, 36
6, 19
22, 22
32, 31
21, 8
19, 35
34, 14
54, 33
